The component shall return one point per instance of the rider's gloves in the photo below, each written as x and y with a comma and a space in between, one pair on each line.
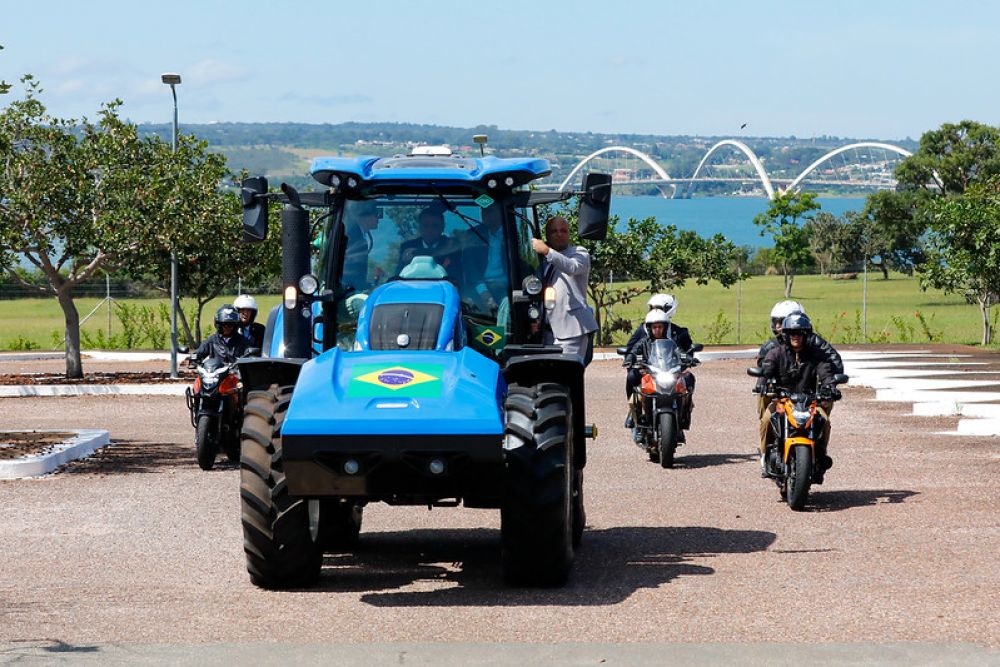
629, 360
829, 392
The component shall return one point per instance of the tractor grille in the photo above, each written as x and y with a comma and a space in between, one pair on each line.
420, 322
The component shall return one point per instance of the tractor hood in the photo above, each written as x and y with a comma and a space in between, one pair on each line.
397, 393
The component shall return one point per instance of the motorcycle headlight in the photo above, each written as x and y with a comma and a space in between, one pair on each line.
665, 381
800, 417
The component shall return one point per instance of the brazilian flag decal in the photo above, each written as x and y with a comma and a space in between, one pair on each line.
412, 380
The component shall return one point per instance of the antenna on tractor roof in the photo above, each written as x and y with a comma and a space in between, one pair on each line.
481, 139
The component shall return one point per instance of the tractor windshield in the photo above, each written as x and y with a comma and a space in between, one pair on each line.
420, 237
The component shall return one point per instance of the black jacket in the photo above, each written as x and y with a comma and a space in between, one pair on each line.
218, 348
679, 334
814, 341
255, 338
801, 372
447, 253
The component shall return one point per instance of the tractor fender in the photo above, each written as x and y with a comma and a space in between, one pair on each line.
260, 373
532, 369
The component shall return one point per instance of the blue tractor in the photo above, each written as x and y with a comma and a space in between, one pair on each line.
406, 364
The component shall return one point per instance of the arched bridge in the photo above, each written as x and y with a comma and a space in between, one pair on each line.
663, 180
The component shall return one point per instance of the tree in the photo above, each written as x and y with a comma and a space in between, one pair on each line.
658, 258
791, 239
79, 197
952, 158
964, 248
825, 232
895, 226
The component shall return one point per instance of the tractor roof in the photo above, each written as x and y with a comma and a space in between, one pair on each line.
440, 169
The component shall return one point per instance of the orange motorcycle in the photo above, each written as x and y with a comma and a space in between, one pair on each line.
796, 423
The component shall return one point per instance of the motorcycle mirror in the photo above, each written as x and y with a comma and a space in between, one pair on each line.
697, 347
252, 352
621, 350
840, 378
756, 372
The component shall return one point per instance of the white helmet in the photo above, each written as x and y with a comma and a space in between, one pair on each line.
245, 301
655, 316
783, 309
665, 302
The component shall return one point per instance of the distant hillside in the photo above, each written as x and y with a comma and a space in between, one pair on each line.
285, 149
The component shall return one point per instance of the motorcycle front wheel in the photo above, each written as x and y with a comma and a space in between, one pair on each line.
204, 443
799, 476
668, 439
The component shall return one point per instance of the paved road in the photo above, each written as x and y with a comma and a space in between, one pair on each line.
137, 553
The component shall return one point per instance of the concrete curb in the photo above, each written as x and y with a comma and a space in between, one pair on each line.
81, 445
31, 390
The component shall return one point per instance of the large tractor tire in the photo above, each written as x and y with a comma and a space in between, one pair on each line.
281, 542
799, 476
537, 517
204, 443
340, 524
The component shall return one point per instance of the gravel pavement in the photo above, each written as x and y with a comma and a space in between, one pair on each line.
137, 547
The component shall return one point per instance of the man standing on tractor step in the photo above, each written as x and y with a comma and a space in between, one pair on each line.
570, 323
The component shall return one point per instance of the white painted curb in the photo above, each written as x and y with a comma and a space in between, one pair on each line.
749, 353
29, 390
81, 445
112, 355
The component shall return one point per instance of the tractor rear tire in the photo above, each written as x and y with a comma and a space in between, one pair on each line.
204, 443
281, 545
537, 517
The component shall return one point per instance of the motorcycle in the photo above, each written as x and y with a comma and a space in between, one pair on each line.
216, 410
660, 399
790, 457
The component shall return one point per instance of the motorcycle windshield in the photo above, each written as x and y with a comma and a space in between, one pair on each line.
212, 364
663, 354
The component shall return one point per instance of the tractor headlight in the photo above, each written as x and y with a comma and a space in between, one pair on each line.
492, 183
665, 380
534, 313
335, 181
509, 181
352, 182
308, 284
550, 298
532, 285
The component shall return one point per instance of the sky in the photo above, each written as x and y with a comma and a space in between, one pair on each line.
847, 68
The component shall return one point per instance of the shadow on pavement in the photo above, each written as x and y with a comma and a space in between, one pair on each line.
710, 460
834, 501
137, 456
462, 567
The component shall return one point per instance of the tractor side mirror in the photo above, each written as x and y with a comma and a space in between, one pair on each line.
595, 207
254, 208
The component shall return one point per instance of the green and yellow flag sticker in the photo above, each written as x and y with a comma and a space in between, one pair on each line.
411, 381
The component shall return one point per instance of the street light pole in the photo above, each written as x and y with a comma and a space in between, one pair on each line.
173, 80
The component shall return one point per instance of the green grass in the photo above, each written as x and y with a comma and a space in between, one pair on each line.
37, 321
833, 305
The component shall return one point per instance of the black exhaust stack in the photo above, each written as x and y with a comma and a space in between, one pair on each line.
294, 265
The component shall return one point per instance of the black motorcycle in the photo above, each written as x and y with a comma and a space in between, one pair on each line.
216, 411
660, 398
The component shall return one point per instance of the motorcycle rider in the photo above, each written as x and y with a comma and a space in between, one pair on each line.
226, 345
252, 331
657, 324
666, 304
799, 367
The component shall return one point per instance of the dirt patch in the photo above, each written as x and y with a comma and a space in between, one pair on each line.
21, 444
144, 377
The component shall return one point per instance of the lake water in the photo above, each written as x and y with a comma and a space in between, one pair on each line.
730, 216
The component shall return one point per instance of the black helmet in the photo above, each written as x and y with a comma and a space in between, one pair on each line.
226, 314
797, 323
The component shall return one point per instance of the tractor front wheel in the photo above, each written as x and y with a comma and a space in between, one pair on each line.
280, 534
537, 516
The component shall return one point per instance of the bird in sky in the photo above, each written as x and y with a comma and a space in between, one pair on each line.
743, 125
